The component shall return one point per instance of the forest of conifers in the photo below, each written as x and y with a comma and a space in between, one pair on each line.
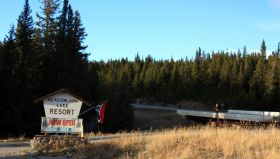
39, 57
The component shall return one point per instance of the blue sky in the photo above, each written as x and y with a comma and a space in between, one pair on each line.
166, 28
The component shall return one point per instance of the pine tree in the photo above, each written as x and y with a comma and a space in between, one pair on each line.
26, 71
8, 65
69, 59
47, 24
257, 82
24, 37
45, 38
196, 70
244, 51
62, 25
174, 84
137, 67
263, 49
196, 73
8, 61
80, 34
273, 82
278, 49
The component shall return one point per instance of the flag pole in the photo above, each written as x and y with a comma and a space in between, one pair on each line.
86, 110
91, 108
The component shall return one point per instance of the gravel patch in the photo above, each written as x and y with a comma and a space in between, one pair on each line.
22, 150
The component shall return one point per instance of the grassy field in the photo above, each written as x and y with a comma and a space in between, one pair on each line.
196, 142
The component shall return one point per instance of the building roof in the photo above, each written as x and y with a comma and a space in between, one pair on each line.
59, 92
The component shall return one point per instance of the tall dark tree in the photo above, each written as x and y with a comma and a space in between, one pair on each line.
26, 65
257, 82
47, 23
278, 49
196, 73
62, 25
8, 65
70, 60
263, 49
272, 83
46, 35
24, 37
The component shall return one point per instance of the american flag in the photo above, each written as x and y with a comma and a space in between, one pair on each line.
100, 111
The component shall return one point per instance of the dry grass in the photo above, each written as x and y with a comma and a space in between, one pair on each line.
202, 142
15, 139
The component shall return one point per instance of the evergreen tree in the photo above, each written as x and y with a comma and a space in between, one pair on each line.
244, 51
257, 82
137, 69
278, 49
62, 25
19, 63
174, 84
263, 49
79, 34
47, 24
71, 59
196, 73
8, 65
46, 37
273, 82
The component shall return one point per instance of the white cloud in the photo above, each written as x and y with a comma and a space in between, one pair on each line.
269, 25
275, 3
268, 52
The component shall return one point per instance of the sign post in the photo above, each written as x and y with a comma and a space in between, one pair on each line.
62, 109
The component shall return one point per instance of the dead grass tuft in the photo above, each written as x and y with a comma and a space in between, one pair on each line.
195, 142
15, 138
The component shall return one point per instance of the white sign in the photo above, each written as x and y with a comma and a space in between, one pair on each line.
62, 106
62, 125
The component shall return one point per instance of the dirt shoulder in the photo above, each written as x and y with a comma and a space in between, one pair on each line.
22, 150
14, 149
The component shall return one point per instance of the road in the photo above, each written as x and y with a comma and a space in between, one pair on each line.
21, 150
14, 149
152, 107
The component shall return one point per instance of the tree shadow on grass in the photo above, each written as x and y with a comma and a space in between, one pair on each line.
106, 151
